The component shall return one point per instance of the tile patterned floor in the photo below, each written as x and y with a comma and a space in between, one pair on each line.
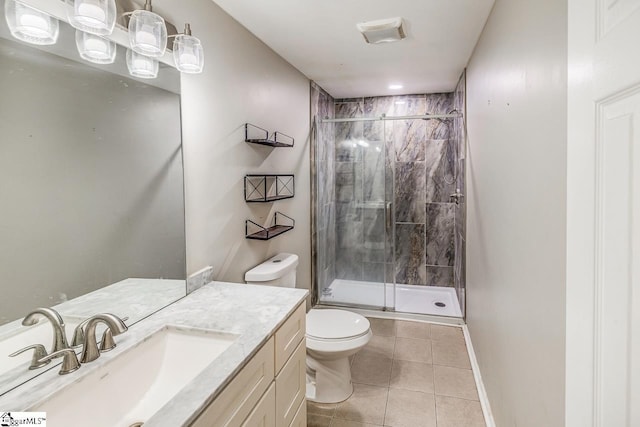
411, 374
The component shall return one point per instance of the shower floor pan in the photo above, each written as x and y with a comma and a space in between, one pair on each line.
433, 300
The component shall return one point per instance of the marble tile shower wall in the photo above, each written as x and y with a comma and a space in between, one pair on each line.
417, 158
322, 105
459, 138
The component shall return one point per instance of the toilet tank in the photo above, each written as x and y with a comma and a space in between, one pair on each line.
277, 271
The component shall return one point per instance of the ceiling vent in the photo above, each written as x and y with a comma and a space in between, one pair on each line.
382, 31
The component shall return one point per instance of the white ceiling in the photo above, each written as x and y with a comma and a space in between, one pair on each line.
321, 40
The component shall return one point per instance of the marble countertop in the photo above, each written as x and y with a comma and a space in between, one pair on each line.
252, 312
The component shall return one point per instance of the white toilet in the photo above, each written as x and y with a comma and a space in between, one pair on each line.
332, 335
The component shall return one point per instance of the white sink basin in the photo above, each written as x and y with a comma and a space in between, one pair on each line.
40, 333
136, 384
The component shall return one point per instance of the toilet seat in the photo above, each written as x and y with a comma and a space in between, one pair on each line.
336, 331
336, 339
335, 325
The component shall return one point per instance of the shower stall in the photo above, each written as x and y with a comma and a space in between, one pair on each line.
388, 202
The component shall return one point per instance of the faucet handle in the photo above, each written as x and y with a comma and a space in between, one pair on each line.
107, 342
78, 334
69, 362
455, 197
39, 353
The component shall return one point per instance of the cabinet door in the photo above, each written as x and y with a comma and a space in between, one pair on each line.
289, 335
291, 386
300, 419
238, 399
264, 414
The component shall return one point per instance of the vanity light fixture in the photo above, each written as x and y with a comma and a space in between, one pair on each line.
29, 24
188, 53
141, 66
147, 32
95, 48
92, 16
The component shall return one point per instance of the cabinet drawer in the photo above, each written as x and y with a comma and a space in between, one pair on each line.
300, 420
289, 335
291, 386
264, 414
240, 396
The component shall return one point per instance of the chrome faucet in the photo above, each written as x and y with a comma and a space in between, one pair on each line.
115, 327
59, 334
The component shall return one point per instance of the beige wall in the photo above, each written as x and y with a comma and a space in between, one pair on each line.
243, 81
517, 124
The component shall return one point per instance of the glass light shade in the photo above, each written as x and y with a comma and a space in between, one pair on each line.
92, 16
141, 66
95, 49
147, 33
29, 24
188, 54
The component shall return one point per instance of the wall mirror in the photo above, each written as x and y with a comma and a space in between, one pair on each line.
91, 192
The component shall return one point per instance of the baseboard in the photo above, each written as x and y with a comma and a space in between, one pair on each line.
482, 392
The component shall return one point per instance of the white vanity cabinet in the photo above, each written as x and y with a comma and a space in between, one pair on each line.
269, 391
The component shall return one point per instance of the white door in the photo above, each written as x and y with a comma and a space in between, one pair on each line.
603, 214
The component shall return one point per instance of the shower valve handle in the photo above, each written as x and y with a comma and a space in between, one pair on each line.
456, 197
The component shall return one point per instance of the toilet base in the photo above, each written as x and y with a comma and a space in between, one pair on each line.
328, 381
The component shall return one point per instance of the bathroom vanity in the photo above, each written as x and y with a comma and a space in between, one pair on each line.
254, 377
270, 388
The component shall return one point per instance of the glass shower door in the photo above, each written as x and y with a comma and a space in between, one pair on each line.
358, 233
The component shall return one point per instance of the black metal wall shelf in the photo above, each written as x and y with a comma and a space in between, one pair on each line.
258, 135
268, 188
269, 233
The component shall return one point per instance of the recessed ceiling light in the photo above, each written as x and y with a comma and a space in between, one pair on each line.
382, 31
395, 86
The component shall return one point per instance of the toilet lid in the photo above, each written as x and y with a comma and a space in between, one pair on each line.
335, 324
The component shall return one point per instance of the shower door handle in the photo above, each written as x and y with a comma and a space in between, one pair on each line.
387, 214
